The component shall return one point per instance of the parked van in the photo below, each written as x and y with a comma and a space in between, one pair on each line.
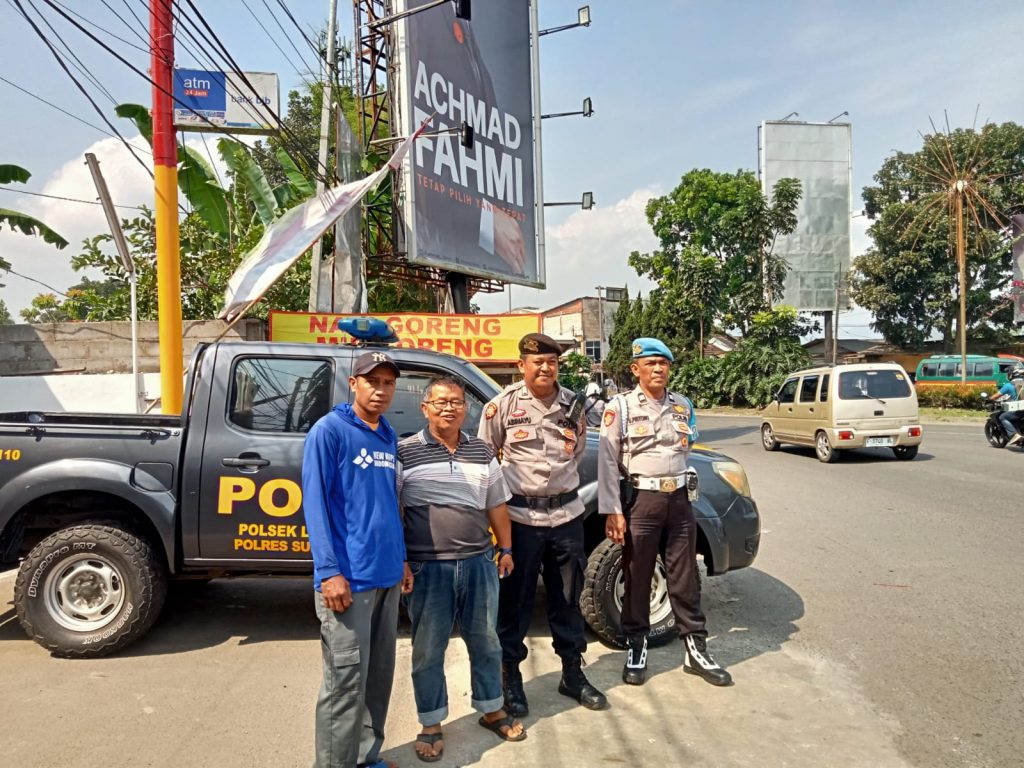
834, 409
945, 369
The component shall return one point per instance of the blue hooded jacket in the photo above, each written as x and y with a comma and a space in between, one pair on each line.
350, 500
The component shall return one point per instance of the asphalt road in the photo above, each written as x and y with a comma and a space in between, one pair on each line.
880, 627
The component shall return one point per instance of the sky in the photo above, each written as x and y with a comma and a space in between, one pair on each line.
675, 85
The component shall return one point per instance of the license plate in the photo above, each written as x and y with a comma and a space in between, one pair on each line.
880, 442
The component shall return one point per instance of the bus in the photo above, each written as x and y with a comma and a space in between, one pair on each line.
981, 369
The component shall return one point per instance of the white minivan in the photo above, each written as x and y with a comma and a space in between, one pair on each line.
833, 409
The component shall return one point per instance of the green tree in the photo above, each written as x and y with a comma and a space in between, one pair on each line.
574, 371
5, 314
753, 372
48, 308
625, 324
22, 222
909, 278
716, 261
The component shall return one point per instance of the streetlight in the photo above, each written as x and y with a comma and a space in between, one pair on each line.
582, 20
587, 111
586, 203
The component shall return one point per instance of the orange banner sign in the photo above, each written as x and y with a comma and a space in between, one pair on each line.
480, 339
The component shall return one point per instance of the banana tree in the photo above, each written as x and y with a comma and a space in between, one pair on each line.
22, 222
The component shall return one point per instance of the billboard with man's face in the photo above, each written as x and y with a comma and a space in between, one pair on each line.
474, 211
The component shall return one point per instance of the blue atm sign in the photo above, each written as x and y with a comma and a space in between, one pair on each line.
207, 101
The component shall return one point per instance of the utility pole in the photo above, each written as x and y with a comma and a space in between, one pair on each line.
321, 298
165, 210
961, 260
600, 327
126, 259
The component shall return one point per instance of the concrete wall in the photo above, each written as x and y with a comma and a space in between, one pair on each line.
97, 393
103, 347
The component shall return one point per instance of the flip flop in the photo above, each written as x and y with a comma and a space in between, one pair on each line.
430, 739
496, 725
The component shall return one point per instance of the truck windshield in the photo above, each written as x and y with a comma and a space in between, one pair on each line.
876, 385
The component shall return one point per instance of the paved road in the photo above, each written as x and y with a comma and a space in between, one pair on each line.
879, 628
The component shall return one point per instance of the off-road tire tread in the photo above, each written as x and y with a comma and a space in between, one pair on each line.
598, 563
148, 574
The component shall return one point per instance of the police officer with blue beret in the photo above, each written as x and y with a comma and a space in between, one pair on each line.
646, 436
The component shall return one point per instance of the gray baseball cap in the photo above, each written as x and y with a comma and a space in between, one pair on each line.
367, 361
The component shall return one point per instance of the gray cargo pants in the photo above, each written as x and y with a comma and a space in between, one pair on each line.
359, 665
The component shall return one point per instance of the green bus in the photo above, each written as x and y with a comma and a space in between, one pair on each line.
981, 369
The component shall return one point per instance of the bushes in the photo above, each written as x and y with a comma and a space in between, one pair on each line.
953, 395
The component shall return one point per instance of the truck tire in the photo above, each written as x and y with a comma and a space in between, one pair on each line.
601, 601
89, 590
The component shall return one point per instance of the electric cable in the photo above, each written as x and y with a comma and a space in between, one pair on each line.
68, 199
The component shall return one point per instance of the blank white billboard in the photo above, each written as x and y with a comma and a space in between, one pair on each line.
818, 250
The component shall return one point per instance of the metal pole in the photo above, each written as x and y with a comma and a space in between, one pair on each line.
538, 153
126, 260
165, 211
961, 257
321, 295
600, 326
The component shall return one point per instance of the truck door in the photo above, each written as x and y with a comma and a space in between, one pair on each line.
250, 504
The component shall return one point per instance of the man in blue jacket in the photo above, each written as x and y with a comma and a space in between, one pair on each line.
355, 532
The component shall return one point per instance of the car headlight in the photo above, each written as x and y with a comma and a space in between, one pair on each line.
734, 475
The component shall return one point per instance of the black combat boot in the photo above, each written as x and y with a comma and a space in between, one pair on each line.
575, 685
512, 688
635, 670
699, 662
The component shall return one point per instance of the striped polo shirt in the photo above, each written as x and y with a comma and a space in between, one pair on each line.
445, 496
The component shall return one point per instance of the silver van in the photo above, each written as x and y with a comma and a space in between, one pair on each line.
834, 409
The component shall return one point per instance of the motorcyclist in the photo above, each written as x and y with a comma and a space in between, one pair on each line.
1011, 390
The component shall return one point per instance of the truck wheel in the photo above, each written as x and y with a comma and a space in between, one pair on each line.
601, 602
89, 590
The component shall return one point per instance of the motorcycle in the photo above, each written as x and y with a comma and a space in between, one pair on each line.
994, 430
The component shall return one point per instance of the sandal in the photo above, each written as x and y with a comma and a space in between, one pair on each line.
506, 722
430, 739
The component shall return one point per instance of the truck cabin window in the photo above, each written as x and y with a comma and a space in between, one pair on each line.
405, 415
279, 394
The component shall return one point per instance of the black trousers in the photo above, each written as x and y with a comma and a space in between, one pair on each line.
557, 555
661, 523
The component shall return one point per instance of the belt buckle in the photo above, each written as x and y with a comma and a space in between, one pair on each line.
667, 484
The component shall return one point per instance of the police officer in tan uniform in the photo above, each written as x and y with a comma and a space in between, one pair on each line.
539, 437
646, 436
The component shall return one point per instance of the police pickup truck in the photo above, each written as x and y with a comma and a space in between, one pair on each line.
103, 511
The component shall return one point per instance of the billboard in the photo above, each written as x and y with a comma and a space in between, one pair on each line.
1017, 287
206, 101
818, 250
481, 339
477, 211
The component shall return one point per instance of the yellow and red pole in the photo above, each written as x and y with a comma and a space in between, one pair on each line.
165, 211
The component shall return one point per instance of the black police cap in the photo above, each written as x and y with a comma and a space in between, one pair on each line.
538, 344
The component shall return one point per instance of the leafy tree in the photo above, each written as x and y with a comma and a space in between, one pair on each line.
574, 371
625, 324
909, 278
5, 314
47, 308
22, 222
717, 233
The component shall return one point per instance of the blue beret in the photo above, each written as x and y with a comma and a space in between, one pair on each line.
647, 347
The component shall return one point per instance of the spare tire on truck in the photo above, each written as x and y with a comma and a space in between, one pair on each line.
601, 601
89, 590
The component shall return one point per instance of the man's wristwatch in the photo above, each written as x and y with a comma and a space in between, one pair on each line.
504, 551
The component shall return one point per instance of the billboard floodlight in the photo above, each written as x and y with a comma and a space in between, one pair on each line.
588, 201
582, 20
587, 111
466, 135
463, 9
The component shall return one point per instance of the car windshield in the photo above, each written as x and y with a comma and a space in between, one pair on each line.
856, 385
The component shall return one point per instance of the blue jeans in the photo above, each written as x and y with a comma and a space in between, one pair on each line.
1009, 421
445, 592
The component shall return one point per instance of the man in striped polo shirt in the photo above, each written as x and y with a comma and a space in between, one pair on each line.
452, 491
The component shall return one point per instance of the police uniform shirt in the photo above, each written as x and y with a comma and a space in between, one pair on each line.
539, 448
658, 436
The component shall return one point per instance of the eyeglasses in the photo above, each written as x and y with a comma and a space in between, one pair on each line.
456, 405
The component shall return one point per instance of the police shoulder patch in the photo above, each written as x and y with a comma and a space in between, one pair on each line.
609, 417
490, 411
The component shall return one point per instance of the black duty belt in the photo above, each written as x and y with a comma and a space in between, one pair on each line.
543, 502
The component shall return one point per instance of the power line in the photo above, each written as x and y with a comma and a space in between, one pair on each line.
316, 49
60, 109
68, 199
78, 85
245, 4
103, 29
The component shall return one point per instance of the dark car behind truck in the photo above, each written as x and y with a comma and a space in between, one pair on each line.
103, 510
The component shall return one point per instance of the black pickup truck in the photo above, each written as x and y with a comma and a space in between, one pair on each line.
102, 511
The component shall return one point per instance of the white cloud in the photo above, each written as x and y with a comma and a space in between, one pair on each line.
587, 249
129, 185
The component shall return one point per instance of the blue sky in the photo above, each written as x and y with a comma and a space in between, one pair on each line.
675, 85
